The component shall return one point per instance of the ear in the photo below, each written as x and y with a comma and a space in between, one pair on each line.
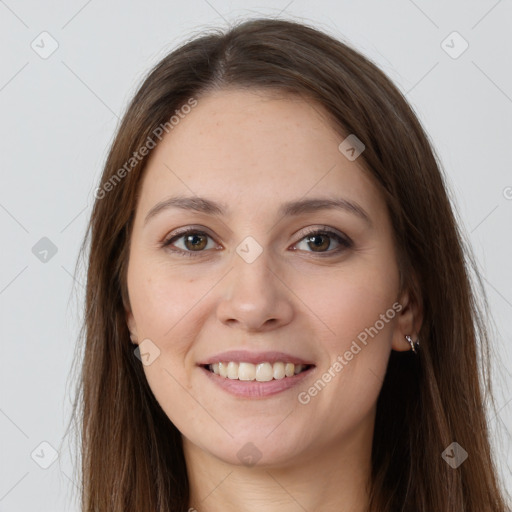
132, 326
409, 320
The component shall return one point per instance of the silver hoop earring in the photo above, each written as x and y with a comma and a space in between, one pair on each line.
415, 345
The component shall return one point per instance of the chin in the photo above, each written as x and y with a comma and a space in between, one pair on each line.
254, 450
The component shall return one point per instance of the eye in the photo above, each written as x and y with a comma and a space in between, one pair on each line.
193, 241
196, 241
321, 239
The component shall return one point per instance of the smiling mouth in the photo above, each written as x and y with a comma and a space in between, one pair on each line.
261, 372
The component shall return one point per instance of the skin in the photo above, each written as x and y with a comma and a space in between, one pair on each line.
253, 152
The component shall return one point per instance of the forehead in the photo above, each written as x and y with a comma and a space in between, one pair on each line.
254, 148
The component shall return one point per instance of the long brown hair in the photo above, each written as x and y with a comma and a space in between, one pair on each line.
132, 457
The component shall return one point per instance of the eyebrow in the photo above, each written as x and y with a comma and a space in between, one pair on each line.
291, 208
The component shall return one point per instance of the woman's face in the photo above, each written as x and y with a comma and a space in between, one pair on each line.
251, 278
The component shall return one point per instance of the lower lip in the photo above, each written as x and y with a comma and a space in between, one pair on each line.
253, 388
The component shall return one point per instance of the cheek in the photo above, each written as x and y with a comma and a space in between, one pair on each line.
353, 301
165, 306
359, 314
162, 298
355, 310
170, 307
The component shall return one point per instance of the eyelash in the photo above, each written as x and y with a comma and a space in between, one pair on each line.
344, 241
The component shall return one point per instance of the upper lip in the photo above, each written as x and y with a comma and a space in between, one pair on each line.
245, 356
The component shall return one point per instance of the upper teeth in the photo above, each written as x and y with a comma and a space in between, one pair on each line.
261, 372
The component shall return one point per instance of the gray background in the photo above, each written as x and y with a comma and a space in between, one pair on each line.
58, 116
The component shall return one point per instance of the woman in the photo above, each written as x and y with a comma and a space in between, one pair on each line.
279, 310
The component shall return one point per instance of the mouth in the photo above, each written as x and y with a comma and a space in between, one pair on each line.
260, 372
251, 375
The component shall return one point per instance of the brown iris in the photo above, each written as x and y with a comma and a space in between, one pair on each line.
321, 246
193, 240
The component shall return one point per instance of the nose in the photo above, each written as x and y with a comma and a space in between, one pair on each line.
255, 297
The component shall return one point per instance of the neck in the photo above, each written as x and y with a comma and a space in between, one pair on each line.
334, 478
